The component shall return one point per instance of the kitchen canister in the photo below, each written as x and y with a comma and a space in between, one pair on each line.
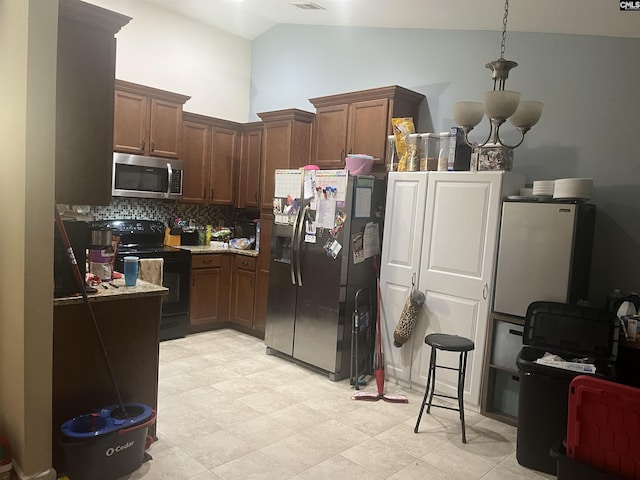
101, 253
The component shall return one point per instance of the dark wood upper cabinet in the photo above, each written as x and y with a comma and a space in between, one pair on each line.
359, 122
286, 143
148, 121
84, 102
249, 166
211, 151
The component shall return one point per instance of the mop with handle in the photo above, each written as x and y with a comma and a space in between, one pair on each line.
379, 361
83, 290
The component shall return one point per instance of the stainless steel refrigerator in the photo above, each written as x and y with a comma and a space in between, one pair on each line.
544, 253
326, 234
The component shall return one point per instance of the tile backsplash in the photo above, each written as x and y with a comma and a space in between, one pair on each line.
165, 211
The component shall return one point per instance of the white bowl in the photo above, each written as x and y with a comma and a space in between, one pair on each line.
543, 187
575, 188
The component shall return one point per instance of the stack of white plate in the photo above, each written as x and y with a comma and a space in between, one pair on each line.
543, 189
573, 188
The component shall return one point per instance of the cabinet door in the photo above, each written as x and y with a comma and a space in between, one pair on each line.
243, 291
458, 255
196, 155
223, 158
84, 113
130, 131
210, 289
262, 273
165, 131
249, 169
330, 136
276, 153
400, 265
368, 128
205, 288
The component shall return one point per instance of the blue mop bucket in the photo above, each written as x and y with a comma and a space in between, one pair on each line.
106, 444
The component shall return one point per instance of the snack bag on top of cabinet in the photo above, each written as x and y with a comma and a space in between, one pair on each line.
402, 128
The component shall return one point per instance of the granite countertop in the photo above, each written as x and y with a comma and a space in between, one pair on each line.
141, 289
198, 249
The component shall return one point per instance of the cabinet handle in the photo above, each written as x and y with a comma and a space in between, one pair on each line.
516, 332
207, 261
485, 291
142, 144
153, 145
342, 155
255, 195
252, 283
515, 378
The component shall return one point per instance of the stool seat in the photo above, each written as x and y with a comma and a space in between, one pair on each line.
450, 343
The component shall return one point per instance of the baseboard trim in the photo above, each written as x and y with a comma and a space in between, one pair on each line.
18, 474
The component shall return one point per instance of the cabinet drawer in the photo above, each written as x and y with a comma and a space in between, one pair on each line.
507, 342
506, 390
245, 263
206, 261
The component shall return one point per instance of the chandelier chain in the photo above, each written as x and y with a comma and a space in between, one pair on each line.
504, 28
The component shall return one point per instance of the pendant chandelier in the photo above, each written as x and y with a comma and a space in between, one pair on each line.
499, 104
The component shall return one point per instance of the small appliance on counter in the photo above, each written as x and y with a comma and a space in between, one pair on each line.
189, 237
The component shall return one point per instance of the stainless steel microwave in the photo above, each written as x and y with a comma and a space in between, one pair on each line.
146, 177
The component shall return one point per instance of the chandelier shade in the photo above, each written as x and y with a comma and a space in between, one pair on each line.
498, 104
527, 114
468, 114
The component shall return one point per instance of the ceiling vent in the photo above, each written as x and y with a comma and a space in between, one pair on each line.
307, 6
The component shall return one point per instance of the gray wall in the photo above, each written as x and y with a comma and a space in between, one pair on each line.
590, 87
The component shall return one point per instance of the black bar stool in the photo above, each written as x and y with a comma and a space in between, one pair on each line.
449, 343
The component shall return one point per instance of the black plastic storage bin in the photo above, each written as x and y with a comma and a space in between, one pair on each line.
570, 331
107, 445
569, 469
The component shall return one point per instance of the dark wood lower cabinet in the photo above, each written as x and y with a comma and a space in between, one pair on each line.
224, 292
210, 290
81, 382
243, 287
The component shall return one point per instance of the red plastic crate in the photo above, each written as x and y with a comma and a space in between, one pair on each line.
603, 426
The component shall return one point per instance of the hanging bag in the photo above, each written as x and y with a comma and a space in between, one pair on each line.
409, 316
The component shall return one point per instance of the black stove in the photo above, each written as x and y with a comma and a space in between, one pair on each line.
139, 236
144, 239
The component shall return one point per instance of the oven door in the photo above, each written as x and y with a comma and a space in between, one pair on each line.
175, 305
176, 273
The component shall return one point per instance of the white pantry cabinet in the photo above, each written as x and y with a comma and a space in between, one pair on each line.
453, 263
401, 249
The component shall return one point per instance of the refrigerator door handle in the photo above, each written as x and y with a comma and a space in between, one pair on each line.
301, 221
294, 249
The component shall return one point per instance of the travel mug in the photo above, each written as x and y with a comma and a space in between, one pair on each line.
130, 271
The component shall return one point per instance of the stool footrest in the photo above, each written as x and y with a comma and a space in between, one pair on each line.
441, 395
444, 406
447, 368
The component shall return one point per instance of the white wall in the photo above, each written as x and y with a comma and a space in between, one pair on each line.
28, 32
589, 86
163, 50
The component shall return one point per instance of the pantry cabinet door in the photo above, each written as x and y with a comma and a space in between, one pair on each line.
401, 249
458, 255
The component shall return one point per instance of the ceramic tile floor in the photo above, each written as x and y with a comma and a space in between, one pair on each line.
227, 410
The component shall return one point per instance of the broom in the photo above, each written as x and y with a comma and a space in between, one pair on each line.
378, 361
